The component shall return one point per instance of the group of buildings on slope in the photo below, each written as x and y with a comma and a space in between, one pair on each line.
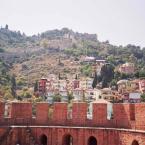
81, 89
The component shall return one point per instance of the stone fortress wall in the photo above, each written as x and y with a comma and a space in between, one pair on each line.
62, 126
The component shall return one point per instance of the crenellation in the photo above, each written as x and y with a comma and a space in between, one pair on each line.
2, 109
99, 114
42, 113
121, 115
79, 113
126, 118
21, 110
60, 113
125, 115
140, 115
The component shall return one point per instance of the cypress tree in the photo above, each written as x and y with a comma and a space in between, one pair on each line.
36, 86
95, 81
13, 86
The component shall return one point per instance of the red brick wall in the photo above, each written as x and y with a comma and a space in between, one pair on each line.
60, 113
99, 114
21, 110
79, 113
132, 112
42, 113
140, 115
2, 108
124, 115
56, 136
121, 113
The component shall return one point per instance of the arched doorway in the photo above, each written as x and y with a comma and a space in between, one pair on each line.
68, 140
43, 139
135, 142
18, 143
92, 141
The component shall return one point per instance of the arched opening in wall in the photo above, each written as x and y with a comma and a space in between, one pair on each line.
43, 139
18, 143
135, 142
68, 140
92, 141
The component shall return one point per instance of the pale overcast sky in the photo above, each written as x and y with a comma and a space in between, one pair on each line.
119, 21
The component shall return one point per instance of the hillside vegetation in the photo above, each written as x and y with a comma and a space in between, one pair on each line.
60, 52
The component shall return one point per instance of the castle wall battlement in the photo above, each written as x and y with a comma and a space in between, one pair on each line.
123, 115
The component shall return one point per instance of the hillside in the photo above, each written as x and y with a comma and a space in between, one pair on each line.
4, 76
42, 66
32, 57
8, 38
7, 82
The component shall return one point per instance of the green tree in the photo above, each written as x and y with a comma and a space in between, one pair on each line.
70, 97
27, 95
117, 75
86, 70
143, 97
2, 50
74, 45
13, 86
142, 73
125, 76
95, 81
104, 82
7, 27
57, 98
107, 74
59, 61
8, 95
59, 76
44, 43
36, 86
136, 74
76, 77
